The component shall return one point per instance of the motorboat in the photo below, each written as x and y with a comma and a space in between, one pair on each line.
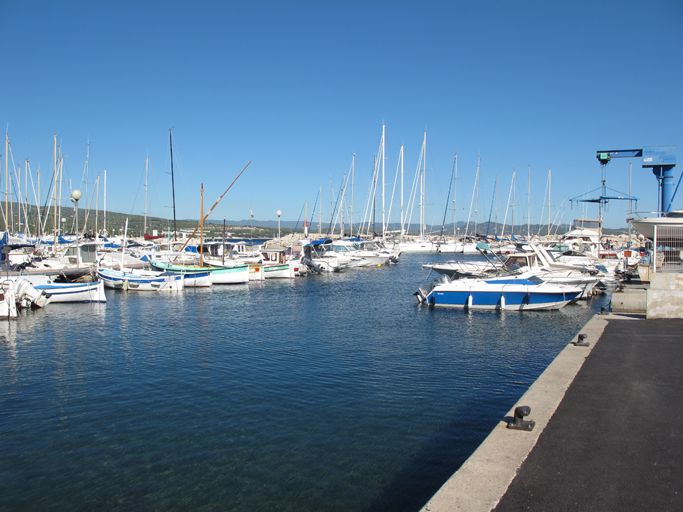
646, 226
319, 257
508, 291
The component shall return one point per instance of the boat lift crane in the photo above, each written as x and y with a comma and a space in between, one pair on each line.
661, 159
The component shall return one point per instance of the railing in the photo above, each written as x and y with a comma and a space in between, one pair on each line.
668, 249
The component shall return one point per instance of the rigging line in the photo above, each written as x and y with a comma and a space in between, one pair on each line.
434, 174
214, 205
413, 190
393, 190
314, 206
16, 189
335, 206
448, 198
137, 191
297, 221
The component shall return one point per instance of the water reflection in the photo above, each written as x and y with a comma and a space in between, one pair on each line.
332, 392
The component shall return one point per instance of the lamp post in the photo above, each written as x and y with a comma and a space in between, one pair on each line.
75, 196
278, 226
63, 223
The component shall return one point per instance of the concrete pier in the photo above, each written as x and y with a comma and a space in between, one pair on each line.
660, 297
607, 434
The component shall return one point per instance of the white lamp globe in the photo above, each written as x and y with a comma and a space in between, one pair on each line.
278, 213
76, 194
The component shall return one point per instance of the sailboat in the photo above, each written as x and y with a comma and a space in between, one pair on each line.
201, 275
455, 245
420, 245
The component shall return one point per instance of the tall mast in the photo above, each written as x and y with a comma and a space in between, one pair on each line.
400, 156
630, 201
18, 174
201, 230
55, 196
549, 176
87, 171
320, 214
528, 201
342, 208
97, 203
384, 224
455, 198
104, 225
26, 209
423, 184
476, 205
474, 191
353, 170
7, 178
514, 181
144, 229
175, 228
374, 194
40, 214
60, 173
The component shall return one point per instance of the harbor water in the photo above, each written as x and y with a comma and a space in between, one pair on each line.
333, 392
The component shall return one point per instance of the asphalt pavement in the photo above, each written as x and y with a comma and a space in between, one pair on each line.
615, 443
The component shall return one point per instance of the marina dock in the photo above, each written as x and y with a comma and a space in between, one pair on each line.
607, 430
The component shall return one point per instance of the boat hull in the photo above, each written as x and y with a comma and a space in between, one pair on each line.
509, 301
133, 282
74, 292
278, 271
230, 275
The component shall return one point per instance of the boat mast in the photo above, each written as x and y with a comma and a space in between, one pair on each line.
87, 172
54, 247
455, 198
40, 214
630, 201
7, 176
400, 156
97, 203
144, 229
528, 201
474, 191
61, 180
549, 176
514, 181
384, 225
320, 214
476, 206
175, 228
104, 225
26, 210
423, 184
353, 170
201, 230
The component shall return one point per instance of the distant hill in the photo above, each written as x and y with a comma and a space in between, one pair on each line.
246, 228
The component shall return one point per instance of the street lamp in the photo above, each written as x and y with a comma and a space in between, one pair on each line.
75, 196
63, 221
278, 226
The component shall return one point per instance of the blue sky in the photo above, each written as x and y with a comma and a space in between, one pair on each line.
298, 87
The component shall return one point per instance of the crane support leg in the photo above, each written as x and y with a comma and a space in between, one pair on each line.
665, 177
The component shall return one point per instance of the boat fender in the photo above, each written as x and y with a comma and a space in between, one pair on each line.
469, 301
502, 302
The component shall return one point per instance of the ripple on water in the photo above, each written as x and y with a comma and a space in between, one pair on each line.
333, 392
